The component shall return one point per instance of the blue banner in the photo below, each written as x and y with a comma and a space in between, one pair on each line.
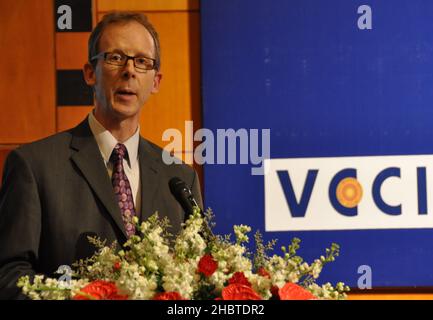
330, 79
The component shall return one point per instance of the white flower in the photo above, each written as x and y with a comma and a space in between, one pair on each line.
179, 277
218, 279
136, 285
241, 233
316, 268
261, 285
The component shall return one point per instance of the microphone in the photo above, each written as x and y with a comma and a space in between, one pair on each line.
186, 199
183, 195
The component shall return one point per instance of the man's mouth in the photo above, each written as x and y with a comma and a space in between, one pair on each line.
125, 91
125, 94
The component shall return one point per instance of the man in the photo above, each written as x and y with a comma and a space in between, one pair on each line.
92, 179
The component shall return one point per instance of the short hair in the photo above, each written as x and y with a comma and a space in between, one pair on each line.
122, 17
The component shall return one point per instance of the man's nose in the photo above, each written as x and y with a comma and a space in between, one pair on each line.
129, 69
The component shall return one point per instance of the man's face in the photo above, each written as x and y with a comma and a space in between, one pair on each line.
121, 91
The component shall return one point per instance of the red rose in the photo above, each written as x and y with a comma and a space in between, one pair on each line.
239, 292
168, 296
239, 277
262, 272
207, 265
117, 266
274, 291
291, 291
99, 290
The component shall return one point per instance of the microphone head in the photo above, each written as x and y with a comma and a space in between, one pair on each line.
177, 187
182, 194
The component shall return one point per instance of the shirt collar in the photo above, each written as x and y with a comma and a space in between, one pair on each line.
106, 141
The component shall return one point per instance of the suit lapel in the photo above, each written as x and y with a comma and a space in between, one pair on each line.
89, 160
148, 178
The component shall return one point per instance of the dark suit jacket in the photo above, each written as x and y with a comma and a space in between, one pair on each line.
57, 191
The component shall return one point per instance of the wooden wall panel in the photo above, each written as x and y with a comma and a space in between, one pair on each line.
4, 151
71, 50
390, 296
68, 117
27, 82
147, 5
179, 96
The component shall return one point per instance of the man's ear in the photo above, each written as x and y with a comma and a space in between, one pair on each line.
89, 74
156, 82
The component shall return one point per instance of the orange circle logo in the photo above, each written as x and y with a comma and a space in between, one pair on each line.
349, 192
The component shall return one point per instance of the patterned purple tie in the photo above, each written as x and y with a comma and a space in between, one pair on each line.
122, 188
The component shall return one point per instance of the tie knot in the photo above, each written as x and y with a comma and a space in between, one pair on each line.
120, 151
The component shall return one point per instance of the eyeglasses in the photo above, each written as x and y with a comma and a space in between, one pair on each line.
141, 63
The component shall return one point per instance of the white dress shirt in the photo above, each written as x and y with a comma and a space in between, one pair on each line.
106, 143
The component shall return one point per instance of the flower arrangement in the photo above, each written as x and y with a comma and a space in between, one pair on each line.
194, 265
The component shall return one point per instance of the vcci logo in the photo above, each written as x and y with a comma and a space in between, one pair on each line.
383, 192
